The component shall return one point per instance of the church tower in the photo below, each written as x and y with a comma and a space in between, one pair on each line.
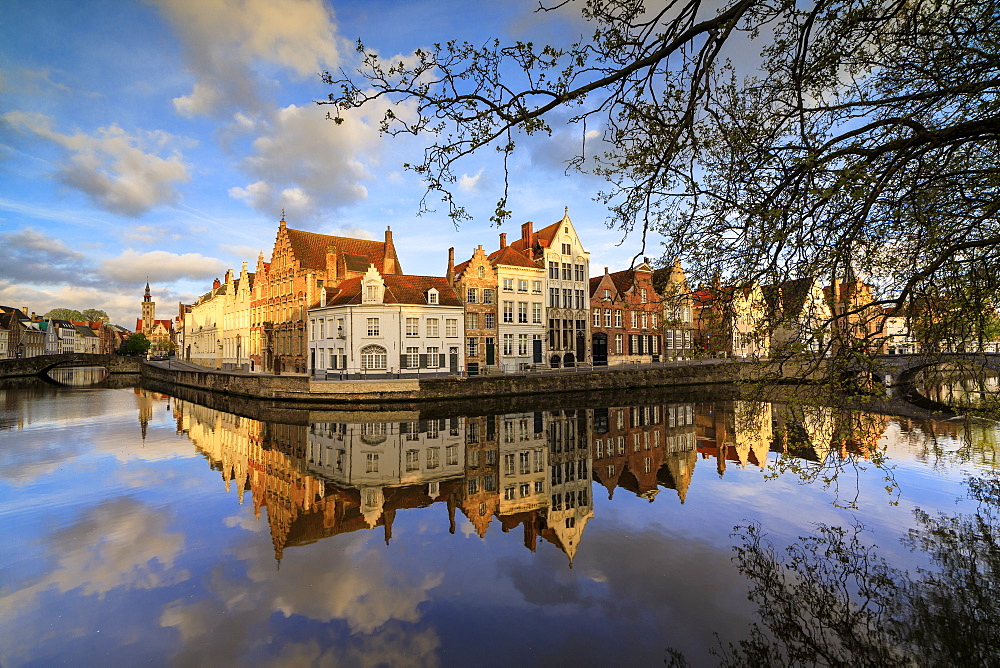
148, 312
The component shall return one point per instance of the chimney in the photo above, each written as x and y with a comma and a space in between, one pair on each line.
503, 240
229, 275
216, 284
331, 265
450, 274
606, 271
24, 310
527, 232
389, 265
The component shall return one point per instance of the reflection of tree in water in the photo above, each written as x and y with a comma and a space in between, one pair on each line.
830, 599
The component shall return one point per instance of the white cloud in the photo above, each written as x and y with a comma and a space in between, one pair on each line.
146, 233
160, 267
468, 183
305, 164
121, 173
227, 40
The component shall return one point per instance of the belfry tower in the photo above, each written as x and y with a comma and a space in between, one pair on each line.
148, 312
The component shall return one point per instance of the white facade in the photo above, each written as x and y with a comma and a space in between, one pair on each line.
373, 456
520, 313
523, 464
567, 293
397, 324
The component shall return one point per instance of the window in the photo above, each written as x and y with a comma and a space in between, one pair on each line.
373, 327
553, 297
567, 296
412, 460
413, 326
522, 285
524, 460
567, 271
333, 359
607, 294
645, 320
597, 317
472, 346
472, 321
536, 287
432, 328
607, 317
522, 344
488, 295
508, 464
635, 319
600, 448
432, 357
525, 489
491, 321
652, 317
522, 313
412, 357
508, 285
669, 338
578, 273
536, 313
481, 272
554, 270
618, 344
508, 493
371, 293
451, 327
618, 317
508, 344
508, 311
473, 485
373, 357
642, 293
432, 297
539, 487
538, 460
566, 249
371, 462
451, 452
579, 299
472, 296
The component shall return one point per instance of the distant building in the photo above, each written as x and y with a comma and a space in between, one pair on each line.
475, 284
627, 317
25, 338
159, 332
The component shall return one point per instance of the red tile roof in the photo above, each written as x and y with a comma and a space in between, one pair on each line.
511, 257
310, 249
399, 289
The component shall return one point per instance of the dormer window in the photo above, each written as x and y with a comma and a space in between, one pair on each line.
432, 296
373, 287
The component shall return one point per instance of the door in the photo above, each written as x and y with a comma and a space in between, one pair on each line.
600, 349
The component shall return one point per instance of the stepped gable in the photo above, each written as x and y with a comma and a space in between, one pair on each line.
310, 250
399, 289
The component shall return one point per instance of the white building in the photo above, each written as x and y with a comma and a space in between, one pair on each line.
394, 324
521, 308
375, 457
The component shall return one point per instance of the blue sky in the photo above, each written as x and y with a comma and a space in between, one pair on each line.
164, 138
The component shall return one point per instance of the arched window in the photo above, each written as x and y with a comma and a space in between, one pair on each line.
373, 357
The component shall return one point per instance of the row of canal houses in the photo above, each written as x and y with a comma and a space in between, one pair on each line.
338, 307
29, 335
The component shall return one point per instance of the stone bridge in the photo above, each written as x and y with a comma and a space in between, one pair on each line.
39, 366
902, 368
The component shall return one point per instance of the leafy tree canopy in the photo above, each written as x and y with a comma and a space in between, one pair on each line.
64, 314
764, 139
90, 314
136, 344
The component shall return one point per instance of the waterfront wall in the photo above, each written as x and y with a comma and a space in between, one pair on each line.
34, 366
375, 393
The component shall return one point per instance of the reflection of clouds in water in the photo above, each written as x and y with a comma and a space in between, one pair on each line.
121, 544
342, 580
391, 646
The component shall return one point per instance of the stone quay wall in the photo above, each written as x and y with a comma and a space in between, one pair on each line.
370, 394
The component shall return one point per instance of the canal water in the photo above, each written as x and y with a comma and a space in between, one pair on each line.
140, 527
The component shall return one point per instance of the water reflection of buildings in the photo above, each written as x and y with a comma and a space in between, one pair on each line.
532, 470
734, 431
